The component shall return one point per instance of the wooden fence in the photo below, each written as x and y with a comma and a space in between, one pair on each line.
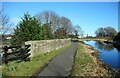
12, 53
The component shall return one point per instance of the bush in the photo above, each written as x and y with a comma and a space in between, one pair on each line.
117, 37
30, 29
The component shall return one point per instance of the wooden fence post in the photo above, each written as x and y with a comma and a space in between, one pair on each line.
20, 54
5, 54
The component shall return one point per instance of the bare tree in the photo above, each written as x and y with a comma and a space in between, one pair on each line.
56, 22
49, 17
110, 31
105, 32
78, 30
66, 24
5, 25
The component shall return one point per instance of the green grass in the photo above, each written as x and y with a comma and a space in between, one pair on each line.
89, 39
98, 38
82, 59
30, 67
0, 71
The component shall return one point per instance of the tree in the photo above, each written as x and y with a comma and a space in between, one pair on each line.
49, 17
100, 32
60, 33
105, 32
28, 29
78, 30
117, 37
47, 31
66, 24
109, 31
5, 25
56, 22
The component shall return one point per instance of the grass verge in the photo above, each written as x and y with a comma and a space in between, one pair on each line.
30, 67
82, 59
88, 64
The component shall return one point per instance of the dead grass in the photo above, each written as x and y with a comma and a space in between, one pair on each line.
86, 63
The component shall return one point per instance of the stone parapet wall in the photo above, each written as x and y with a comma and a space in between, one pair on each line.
43, 46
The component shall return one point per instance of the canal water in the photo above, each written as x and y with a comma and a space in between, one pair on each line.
108, 53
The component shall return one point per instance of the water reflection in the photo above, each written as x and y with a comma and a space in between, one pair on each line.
109, 53
104, 46
118, 48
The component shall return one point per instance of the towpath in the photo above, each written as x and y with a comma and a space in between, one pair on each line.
62, 63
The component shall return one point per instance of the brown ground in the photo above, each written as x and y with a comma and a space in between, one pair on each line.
98, 68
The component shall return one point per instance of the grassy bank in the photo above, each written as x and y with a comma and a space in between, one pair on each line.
30, 67
82, 59
87, 63
99, 39
94, 38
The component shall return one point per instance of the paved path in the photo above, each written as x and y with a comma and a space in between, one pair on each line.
62, 63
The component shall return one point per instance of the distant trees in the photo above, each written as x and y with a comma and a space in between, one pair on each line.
78, 30
43, 26
61, 27
47, 25
117, 37
66, 24
60, 33
49, 17
46, 32
105, 32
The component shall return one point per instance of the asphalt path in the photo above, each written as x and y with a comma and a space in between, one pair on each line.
62, 63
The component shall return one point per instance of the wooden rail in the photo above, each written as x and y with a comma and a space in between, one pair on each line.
15, 53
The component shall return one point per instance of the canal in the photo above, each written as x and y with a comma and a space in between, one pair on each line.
109, 54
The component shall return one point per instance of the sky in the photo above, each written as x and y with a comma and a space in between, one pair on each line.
60, 0
88, 15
